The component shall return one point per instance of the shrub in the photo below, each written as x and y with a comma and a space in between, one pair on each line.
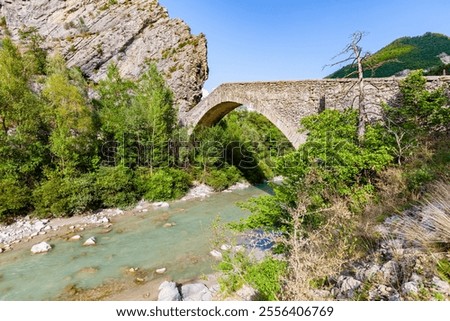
115, 186
14, 197
64, 195
221, 179
266, 276
163, 184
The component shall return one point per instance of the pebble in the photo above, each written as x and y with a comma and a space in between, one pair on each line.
161, 271
75, 238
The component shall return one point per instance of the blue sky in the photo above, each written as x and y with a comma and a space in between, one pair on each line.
252, 40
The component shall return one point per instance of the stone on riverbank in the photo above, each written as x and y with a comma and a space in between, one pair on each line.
196, 292
42, 247
161, 271
216, 254
168, 291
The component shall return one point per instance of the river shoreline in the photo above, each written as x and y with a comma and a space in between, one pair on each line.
133, 285
27, 230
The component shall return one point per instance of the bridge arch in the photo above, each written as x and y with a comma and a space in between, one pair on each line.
214, 114
285, 103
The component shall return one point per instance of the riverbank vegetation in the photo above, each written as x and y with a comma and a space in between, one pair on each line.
337, 189
69, 146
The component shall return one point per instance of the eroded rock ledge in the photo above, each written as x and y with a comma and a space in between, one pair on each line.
93, 33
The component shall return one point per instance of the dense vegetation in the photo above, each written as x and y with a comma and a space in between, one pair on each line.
405, 53
336, 187
63, 152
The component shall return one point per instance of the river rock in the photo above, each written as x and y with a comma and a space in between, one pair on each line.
216, 254
168, 291
161, 204
75, 238
196, 292
90, 241
39, 225
1, 250
161, 270
171, 224
42, 247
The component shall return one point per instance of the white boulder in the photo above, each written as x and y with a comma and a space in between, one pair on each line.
42, 247
196, 292
90, 241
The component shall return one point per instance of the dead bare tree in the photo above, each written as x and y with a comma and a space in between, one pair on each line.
356, 58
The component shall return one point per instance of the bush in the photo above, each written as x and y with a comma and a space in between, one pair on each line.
64, 195
266, 276
163, 184
115, 186
221, 179
14, 197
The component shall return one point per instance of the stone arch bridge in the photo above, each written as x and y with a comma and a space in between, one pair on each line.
285, 103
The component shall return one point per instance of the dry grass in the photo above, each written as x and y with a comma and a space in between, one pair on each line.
316, 254
429, 226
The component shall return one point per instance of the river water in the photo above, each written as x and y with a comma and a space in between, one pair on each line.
140, 240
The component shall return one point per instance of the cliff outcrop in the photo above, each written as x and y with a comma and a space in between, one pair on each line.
91, 34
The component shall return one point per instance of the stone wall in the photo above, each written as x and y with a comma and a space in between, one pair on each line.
285, 103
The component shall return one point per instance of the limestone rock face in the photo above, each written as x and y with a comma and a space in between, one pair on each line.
91, 34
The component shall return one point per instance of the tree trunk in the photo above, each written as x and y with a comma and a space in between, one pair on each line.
361, 104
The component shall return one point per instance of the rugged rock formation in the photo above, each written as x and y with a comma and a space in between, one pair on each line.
93, 33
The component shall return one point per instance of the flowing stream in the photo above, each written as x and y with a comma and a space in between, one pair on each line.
139, 240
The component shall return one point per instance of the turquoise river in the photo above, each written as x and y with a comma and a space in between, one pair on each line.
138, 240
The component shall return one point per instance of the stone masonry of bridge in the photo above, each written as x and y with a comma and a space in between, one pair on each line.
285, 103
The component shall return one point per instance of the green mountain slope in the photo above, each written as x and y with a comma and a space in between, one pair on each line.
406, 53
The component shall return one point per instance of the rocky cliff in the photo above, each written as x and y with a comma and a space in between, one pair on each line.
93, 33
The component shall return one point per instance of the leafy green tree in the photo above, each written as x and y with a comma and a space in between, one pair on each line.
139, 118
72, 140
22, 132
35, 55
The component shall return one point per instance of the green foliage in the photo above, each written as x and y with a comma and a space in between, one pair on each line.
72, 140
14, 197
35, 55
61, 195
114, 186
264, 276
443, 267
330, 164
243, 139
163, 184
137, 119
221, 179
404, 53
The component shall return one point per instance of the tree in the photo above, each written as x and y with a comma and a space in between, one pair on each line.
72, 140
357, 58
